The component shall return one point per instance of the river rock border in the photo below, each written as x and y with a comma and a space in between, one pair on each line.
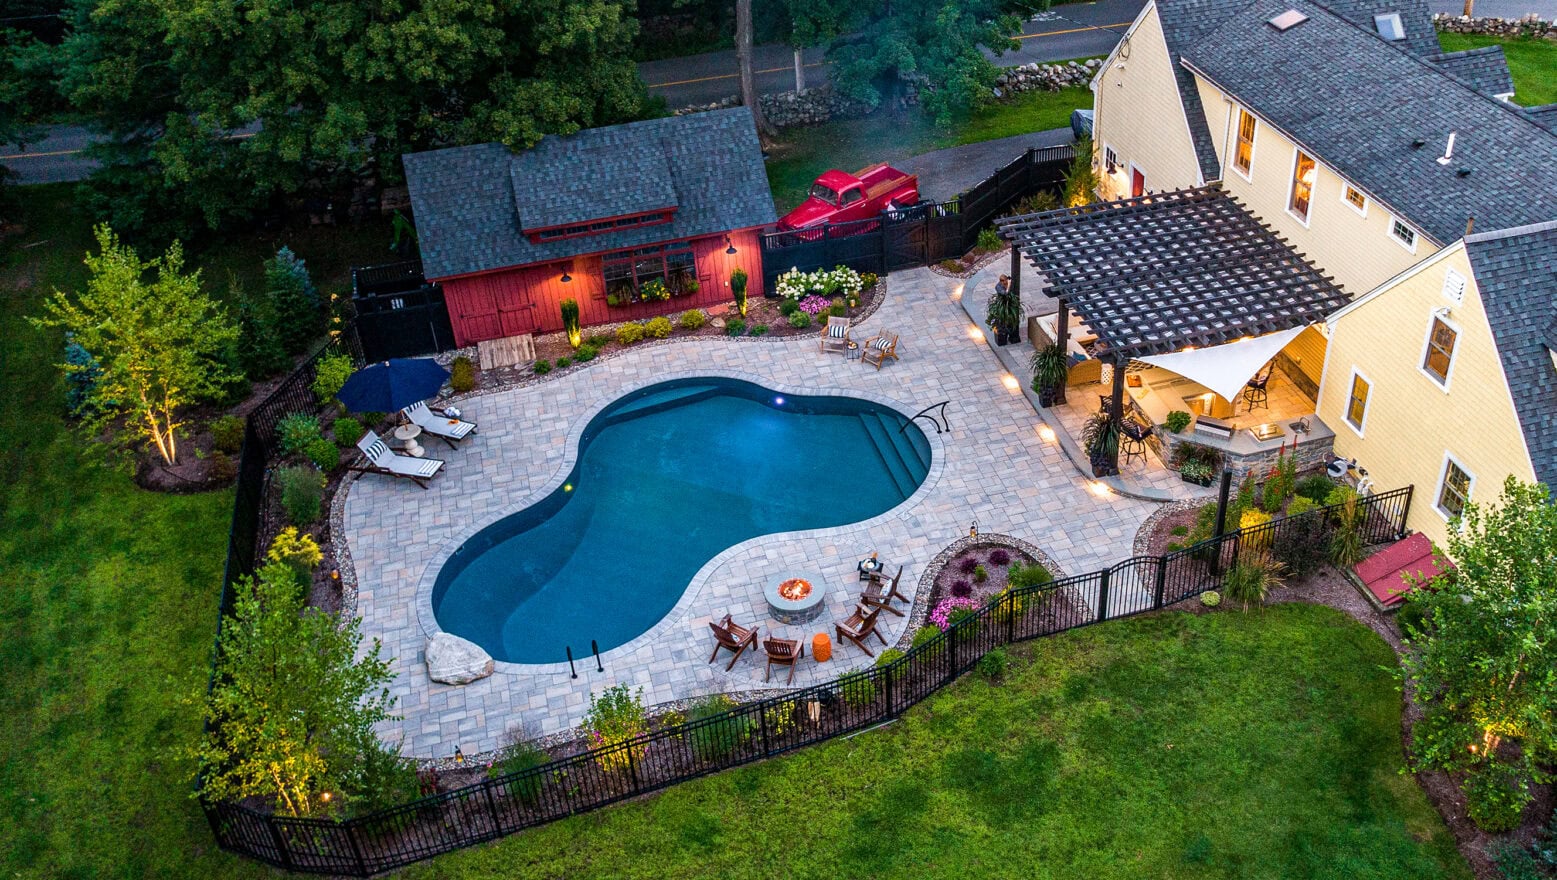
920, 613
1141, 546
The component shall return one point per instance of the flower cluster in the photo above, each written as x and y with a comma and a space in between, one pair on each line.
828, 283
814, 305
942, 614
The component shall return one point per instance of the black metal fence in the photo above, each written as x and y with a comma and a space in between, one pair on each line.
398, 313
498, 806
920, 235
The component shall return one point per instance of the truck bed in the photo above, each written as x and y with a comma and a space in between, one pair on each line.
881, 178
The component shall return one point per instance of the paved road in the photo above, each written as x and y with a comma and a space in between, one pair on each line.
945, 173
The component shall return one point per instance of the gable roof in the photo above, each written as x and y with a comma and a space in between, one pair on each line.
1484, 69
1516, 273
1187, 22
473, 204
1382, 119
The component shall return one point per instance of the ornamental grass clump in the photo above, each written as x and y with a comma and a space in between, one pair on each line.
462, 375
302, 491
617, 722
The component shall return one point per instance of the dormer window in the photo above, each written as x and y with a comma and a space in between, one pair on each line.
1389, 26
597, 227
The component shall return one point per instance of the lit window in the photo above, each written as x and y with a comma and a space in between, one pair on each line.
1355, 198
1357, 403
1440, 350
1403, 234
1243, 157
1454, 490
1302, 185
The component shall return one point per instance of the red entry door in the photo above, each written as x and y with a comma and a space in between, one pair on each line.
1137, 182
515, 310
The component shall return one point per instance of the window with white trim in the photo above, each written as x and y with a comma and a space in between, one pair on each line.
1353, 196
1357, 401
1454, 287
1454, 488
1438, 359
1110, 160
1243, 154
1303, 171
1403, 234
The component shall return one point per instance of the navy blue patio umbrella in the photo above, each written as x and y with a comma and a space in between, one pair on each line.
392, 385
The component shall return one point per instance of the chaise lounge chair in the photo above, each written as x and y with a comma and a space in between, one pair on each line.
858, 627
381, 460
446, 429
731, 635
879, 349
835, 336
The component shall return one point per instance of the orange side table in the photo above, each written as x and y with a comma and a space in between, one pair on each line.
821, 648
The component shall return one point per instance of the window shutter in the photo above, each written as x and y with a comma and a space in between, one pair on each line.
1454, 287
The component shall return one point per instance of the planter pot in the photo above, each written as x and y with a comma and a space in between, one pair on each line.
1102, 467
1012, 335
1191, 480
1002, 337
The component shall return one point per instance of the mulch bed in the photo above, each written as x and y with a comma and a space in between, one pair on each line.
968, 264
978, 554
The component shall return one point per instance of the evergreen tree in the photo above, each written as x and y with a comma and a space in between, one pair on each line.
82, 372
259, 354
294, 303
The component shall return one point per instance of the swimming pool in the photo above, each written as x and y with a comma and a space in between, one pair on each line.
667, 477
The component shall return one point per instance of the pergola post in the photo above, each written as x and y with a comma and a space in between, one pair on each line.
1016, 271
1062, 339
1116, 405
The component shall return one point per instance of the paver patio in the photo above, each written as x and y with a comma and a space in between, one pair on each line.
992, 466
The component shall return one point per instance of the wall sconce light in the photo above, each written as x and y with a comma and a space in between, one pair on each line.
729, 251
566, 277
1441, 312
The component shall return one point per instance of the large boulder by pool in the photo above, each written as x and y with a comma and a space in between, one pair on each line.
453, 660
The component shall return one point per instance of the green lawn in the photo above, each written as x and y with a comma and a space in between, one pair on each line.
1532, 62
108, 604
803, 153
1226, 745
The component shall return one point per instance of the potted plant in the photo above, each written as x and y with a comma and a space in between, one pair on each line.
1176, 421
1196, 462
1004, 315
1100, 439
1196, 472
1051, 367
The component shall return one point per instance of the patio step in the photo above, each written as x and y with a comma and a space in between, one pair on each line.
891, 457
914, 449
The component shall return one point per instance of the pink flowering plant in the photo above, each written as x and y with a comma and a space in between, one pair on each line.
617, 717
815, 305
944, 610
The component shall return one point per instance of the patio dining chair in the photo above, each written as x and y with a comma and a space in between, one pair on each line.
835, 336
782, 652
382, 460
879, 592
1255, 393
879, 349
859, 626
732, 636
448, 430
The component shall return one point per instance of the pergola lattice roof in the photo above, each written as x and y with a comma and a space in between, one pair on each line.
1157, 273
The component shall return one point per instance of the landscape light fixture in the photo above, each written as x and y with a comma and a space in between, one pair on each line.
730, 250
973, 529
459, 756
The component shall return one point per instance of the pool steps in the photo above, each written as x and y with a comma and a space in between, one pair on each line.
895, 449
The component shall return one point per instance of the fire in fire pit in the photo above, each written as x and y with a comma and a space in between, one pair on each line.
795, 589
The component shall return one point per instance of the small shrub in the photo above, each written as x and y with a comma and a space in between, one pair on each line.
348, 431
980, 574
302, 490
1177, 421
735, 327
946, 612
837, 310
961, 589
738, 290
989, 241
1174, 547
1346, 543
869, 280
323, 453
857, 689
627, 334
1000, 556
967, 564
518, 758
297, 431
993, 664
1411, 618
585, 354
1495, 797
1210, 598
541, 368
1301, 504
600, 340
923, 636
719, 738
371, 419
569, 309
462, 375
1305, 540
799, 320
564, 362
788, 307
227, 434
221, 468
330, 374
1253, 519
296, 550
659, 328
692, 319
1339, 494
1315, 487
887, 658
384, 779
83, 371
1179, 531
617, 717
1031, 575
953, 266
759, 329
1514, 863
1252, 577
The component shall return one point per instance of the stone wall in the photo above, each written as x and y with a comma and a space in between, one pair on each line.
1312, 452
1529, 26
823, 103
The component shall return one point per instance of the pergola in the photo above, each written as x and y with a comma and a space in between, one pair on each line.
1163, 272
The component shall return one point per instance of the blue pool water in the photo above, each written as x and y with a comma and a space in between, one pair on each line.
666, 479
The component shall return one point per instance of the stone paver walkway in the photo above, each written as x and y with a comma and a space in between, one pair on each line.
992, 466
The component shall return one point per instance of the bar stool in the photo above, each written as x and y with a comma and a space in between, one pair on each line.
1254, 393
1134, 435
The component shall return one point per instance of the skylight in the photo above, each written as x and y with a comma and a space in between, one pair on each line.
1389, 26
1289, 19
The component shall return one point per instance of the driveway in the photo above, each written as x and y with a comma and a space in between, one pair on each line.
945, 173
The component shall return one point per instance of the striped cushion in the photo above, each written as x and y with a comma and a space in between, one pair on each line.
881, 343
377, 451
837, 331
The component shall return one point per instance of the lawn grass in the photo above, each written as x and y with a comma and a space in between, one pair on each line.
108, 605
1225, 745
850, 144
1532, 62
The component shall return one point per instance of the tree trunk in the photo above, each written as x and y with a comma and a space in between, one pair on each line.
743, 51
1470, 8
800, 72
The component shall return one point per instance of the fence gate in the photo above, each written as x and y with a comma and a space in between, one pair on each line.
398, 313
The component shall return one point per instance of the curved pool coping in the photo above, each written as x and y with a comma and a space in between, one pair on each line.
428, 620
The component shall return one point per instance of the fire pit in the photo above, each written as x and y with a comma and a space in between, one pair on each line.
794, 598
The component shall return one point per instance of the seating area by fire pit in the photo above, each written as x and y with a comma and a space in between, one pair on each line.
794, 598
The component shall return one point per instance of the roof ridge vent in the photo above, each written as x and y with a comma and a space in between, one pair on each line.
1287, 20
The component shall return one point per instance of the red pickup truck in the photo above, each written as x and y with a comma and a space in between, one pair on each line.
838, 196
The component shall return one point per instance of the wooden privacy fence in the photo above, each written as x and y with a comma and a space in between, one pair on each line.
395, 837
917, 236
398, 313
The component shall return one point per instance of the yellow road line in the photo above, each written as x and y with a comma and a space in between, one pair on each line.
39, 155
1074, 30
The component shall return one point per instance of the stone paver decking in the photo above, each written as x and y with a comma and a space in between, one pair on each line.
992, 466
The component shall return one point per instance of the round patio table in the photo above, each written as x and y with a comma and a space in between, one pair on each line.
407, 434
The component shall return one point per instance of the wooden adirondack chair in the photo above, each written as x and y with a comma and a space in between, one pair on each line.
737, 638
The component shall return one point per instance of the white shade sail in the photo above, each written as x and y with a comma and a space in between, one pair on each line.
1227, 367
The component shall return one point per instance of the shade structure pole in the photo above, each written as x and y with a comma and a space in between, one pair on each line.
1116, 403
1062, 339
1016, 271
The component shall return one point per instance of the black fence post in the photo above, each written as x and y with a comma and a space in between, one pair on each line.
1162, 580
281, 843
632, 766
762, 722
1221, 521
350, 828
1010, 601
1102, 594
886, 677
486, 787
951, 654
1405, 510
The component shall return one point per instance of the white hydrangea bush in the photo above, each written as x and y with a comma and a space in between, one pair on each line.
838, 281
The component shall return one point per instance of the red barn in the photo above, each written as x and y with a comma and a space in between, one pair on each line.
597, 217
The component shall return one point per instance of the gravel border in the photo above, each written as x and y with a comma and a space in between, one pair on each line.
1141, 546
974, 268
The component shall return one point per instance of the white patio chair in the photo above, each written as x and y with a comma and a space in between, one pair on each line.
382, 460
444, 428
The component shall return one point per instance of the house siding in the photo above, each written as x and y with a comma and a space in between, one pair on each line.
1137, 112
528, 299
1411, 421
1358, 251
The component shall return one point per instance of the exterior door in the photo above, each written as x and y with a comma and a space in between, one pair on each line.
515, 309
474, 310
1137, 182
